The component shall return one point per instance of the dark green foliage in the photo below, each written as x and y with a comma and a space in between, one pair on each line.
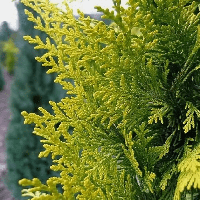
5, 34
5, 31
2, 82
31, 88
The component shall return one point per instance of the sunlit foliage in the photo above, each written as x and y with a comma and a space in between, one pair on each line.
134, 111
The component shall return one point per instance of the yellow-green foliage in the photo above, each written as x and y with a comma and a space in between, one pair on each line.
134, 107
10, 51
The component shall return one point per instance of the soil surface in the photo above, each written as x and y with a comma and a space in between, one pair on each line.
4, 121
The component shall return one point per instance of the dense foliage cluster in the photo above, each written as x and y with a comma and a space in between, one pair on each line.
134, 108
5, 34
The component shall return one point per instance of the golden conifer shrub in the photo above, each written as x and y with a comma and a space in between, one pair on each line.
10, 51
130, 129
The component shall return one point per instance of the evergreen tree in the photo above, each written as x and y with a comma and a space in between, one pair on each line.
135, 112
31, 88
5, 31
5, 34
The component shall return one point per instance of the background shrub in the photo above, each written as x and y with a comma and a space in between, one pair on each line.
10, 51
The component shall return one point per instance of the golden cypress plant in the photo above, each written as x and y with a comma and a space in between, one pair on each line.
10, 51
134, 108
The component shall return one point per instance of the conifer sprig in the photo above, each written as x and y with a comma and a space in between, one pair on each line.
134, 109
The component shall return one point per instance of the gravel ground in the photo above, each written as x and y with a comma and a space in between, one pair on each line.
4, 120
